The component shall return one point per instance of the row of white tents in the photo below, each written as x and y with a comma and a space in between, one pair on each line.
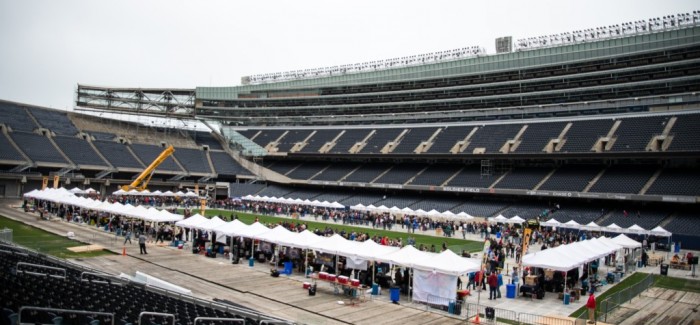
408, 211
298, 201
155, 193
592, 226
63, 196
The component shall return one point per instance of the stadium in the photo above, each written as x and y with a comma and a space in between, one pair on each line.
597, 128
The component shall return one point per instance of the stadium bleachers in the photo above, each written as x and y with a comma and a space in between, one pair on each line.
206, 138
336, 171
492, 137
7, 150
367, 173
16, 117
307, 170
583, 135
649, 219
37, 147
320, 138
523, 178
623, 179
448, 137
291, 138
413, 138
685, 133
224, 164
538, 135
148, 153
381, 137
471, 176
571, 178
676, 181
243, 189
348, 139
634, 134
400, 174
193, 160
436, 174
57, 122
117, 154
79, 151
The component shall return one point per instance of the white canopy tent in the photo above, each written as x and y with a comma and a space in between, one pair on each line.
626, 242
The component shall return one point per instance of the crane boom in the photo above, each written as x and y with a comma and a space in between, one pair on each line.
141, 182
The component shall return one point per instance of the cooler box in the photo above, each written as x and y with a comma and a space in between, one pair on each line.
510, 291
251, 261
343, 279
355, 282
306, 285
331, 277
461, 294
567, 298
323, 275
394, 294
180, 245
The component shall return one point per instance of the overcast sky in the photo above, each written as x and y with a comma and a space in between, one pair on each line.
48, 47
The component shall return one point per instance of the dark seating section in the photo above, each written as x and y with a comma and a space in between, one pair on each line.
571, 178
470, 176
448, 137
398, 201
527, 211
226, 165
206, 138
443, 204
125, 300
365, 199
57, 122
348, 139
282, 166
436, 174
148, 153
193, 160
367, 173
319, 138
307, 170
523, 178
291, 138
267, 136
623, 179
584, 134
336, 172
538, 135
381, 137
400, 174
684, 223
480, 208
7, 150
79, 151
581, 214
647, 219
634, 134
492, 137
685, 133
413, 138
16, 117
677, 181
243, 189
102, 136
37, 147
276, 191
304, 194
332, 197
117, 154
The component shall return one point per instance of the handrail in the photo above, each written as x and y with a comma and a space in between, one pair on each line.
41, 267
152, 313
233, 320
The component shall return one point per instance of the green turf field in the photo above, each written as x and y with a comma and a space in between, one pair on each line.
454, 243
45, 242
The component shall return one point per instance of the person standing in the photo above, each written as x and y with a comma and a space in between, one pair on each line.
142, 243
590, 305
493, 285
127, 237
500, 283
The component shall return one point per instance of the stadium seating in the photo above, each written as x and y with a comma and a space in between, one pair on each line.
648, 219
400, 173
348, 139
320, 138
117, 154
449, 136
79, 151
538, 135
148, 153
307, 170
685, 133
676, 181
685, 222
205, 138
436, 174
336, 172
413, 138
367, 173
16, 117
243, 189
492, 137
523, 178
7, 150
380, 139
583, 135
291, 138
283, 167
634, 134
471, 176
224, 164
37, 147
193, 160
623, 179
571, 178
57, 122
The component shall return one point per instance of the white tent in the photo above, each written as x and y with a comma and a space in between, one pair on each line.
406, 256
77, 191
591, 226
552, 223
335, 244
636, 229
464, 215
277, 235
613, 228
571, 224
516, 220
658, 231
370, 250
407, 210
500, 218
255, 229
306, 239
233, 228
210, 224
626, 242
449, 263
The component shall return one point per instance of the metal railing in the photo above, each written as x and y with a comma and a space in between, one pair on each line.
150, 313
21, 265
499, 315
615, 301
59, 312
220, 320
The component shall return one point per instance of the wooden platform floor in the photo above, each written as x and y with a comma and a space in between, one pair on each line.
659, 306
210, 278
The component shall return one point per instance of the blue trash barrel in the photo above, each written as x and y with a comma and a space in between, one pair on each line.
451, 307
567, 298
375, 289
510, 291
221, 249
394, 294
251, 261
288, 268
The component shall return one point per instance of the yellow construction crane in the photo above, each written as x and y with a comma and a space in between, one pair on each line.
141, 182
